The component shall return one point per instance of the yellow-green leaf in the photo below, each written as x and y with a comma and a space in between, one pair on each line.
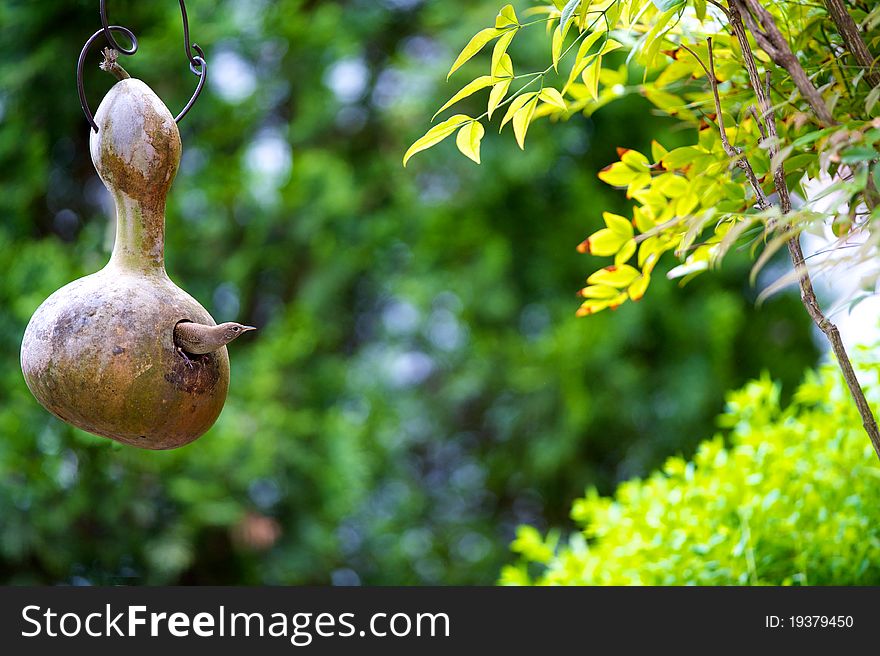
618, 225
669, 103
522, 119
626, 251
590, 77
614, 276
552, 97
515, 106
599, 291
637, 289
504, 67
609, 45
603, 242
680, 157
642, 220
568, 13
592, 306
436, 134
497, 95
499, 52
468, 140
470, 88
638, 183
650, 251
581, 61
671, 185
556, 46
687, 204
506, 17
474, 46
657, 151
634, 159
617, 174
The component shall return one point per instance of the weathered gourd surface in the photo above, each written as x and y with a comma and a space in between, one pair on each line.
99, 353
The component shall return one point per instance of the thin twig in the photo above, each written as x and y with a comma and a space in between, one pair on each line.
720, 6
732, 151
758, 122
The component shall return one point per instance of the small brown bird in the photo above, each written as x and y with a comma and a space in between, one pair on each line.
197, 339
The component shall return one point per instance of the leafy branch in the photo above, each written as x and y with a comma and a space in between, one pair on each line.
733, 184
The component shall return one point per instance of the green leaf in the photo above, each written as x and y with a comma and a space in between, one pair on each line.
503, 67
663, 5
470, 88
669, 103
581, 61
515, 106
871, 99
609, 45
474, 46
506, 17
468, 140
649, 45
568, 13
522, 119
436, 134
680, 157
858, 154
556, 47
499, 52
552, 97
497, 95
591, 77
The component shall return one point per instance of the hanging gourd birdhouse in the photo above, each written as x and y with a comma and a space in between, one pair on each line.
106, 352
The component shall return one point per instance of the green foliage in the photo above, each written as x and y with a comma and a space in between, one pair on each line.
417, 387
695, 200
787, 498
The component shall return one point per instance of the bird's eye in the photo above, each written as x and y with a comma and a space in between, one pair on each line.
236, 328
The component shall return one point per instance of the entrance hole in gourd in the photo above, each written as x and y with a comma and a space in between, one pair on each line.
194, 357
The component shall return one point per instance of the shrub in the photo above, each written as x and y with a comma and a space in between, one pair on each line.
790, 497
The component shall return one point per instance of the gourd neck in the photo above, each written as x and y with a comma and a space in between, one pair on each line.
140, 234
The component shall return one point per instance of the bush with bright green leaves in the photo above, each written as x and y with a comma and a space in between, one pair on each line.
791, 497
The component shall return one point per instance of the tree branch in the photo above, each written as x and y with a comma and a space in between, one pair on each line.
808, 294
767, 35
851, 36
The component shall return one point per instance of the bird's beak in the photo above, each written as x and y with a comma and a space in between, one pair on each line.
247, 328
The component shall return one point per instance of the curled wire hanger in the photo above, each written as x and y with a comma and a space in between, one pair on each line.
197, 63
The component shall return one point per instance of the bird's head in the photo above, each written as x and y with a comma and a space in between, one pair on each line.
231, 330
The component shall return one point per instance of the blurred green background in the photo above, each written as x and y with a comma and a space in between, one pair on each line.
419, 385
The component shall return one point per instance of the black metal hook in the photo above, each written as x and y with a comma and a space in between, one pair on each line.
197, 63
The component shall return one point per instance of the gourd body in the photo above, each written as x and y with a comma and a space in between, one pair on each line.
99, 353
